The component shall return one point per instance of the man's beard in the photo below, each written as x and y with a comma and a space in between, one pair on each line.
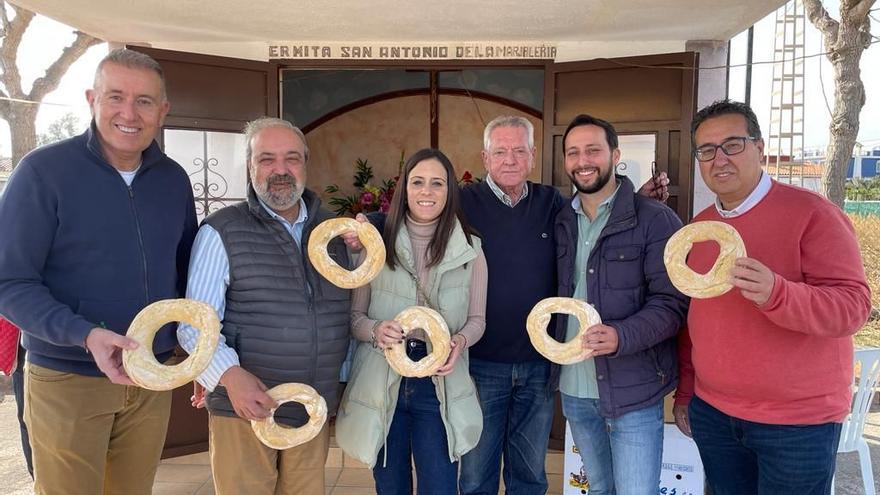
279, 201
598, 184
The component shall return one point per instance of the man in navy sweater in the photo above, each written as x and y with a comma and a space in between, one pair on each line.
95, 228
515, 220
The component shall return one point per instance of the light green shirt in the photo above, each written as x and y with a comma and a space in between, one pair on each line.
579, 379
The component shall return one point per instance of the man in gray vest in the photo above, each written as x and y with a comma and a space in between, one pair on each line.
282, 321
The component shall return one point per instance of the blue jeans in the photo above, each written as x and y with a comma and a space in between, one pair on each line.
416, 432
517, 415
744, 457
621, 455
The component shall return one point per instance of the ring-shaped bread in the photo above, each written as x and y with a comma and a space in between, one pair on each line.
280, 437
435, 327
714, 282
339, 276
141, 365
561, 353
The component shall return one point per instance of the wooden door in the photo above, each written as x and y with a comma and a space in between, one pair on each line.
646, 95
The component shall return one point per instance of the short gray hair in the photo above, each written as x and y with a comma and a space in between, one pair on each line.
255, 126
133, 60
509, 121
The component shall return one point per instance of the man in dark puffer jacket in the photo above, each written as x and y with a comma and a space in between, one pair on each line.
610, 245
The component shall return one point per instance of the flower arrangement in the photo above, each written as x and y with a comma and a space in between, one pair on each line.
369, 197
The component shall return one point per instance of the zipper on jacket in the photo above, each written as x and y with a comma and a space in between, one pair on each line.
140, 235
662, 376
313, 372
655, 360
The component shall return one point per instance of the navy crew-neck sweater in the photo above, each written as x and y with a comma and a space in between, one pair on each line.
521, 255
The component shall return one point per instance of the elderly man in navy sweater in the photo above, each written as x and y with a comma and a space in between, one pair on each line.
515, 220
95, 228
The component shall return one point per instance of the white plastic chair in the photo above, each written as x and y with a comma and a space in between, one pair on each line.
851, 439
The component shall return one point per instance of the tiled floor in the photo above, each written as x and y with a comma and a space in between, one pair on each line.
191, 475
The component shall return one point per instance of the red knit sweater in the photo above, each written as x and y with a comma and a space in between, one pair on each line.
788, 361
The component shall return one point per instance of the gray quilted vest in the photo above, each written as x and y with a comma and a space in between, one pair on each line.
281, 330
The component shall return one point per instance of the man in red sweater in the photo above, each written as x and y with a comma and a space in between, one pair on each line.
766, 370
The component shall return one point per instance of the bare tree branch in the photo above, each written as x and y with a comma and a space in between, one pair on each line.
46, 84
857, 9
4, 19
845, 41
18, 109
13, 32
5, 107
823, 21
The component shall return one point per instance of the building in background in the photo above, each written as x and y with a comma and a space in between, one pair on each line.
5, 172
864, 164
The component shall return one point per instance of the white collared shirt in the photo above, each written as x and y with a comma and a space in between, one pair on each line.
750, 202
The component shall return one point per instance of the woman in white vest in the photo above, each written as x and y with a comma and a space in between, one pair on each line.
433, 260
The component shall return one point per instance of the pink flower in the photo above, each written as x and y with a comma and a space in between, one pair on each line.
367, 198
384, 206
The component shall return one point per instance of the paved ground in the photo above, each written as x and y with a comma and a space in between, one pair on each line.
14, 479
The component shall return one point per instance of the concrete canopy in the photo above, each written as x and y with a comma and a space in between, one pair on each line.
581, 29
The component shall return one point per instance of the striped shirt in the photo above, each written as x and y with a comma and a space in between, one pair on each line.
502, 196
207, 282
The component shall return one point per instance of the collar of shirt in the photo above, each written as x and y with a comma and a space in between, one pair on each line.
296, 226
604, 206
501, 195
750, 202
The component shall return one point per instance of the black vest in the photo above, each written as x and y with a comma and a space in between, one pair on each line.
282, 330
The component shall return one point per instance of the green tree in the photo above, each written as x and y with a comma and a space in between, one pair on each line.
66, 126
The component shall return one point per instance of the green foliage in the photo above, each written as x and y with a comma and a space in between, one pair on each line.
861, 189
363, 172
367, 197
68, 125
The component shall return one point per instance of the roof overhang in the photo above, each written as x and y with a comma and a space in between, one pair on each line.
578, 29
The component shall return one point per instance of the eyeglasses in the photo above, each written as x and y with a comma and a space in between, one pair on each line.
730, 146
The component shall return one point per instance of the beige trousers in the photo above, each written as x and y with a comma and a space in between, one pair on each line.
242, 464
90, 436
